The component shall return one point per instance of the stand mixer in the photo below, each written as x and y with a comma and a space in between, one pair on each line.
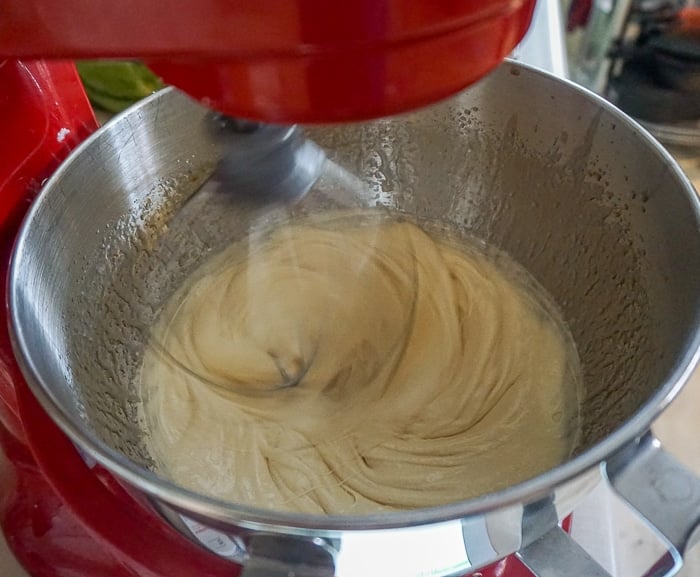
277, 62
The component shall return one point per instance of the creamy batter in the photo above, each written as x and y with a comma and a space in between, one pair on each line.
424, 372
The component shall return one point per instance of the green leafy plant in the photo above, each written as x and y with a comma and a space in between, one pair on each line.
115, 85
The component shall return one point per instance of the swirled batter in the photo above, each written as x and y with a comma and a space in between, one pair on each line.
424, 372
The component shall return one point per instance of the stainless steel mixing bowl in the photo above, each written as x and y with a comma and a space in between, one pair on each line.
581, 196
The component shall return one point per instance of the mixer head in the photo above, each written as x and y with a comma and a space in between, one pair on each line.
283, 61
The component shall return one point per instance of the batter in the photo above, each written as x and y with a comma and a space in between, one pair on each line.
353, 365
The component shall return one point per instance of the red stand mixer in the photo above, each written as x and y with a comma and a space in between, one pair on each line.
285, 62
275, 61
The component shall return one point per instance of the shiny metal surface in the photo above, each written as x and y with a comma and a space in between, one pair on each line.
556, 554
264, 161
663, 491
276, 556
581, 196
